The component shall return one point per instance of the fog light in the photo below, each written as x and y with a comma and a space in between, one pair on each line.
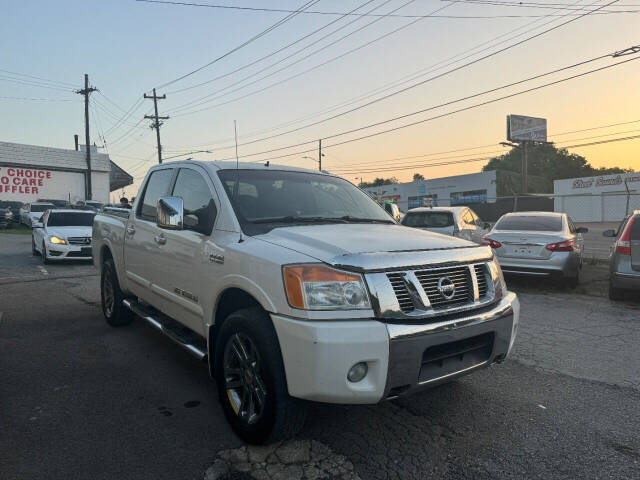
357, 372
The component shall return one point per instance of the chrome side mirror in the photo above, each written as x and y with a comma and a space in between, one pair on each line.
170, 213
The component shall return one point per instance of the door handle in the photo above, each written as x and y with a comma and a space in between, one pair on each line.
131, 230
160, 239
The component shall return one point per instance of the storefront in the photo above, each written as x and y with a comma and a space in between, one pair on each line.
29, 172
447, 191
605, 198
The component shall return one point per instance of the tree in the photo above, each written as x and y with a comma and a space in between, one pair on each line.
378, 181
546, 163
418, 177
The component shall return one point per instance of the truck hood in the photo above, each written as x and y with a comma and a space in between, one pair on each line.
365, 246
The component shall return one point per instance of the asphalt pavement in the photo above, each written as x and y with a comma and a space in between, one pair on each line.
80, 399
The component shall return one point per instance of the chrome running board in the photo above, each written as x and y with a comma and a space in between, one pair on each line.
183, 336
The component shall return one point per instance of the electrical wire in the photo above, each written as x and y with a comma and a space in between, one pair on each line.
242, 45
39, 99
46, 80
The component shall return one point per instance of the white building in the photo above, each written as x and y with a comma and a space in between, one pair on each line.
598, 199
29, 172
446, 191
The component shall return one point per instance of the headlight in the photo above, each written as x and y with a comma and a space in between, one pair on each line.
58, 241
317, 287
499, 285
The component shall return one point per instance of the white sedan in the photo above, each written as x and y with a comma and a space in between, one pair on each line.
459, 222
63, 235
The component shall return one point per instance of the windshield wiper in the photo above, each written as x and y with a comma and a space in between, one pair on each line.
295, 219
350, 219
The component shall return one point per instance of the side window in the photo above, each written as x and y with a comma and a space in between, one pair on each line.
572, 227
156, 187
199, 207
476, 220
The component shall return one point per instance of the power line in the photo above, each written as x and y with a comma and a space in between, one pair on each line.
38, 99
422, 82
417, 122
275, 52
242, 45
202, 101
318, 12
47, 80
31, 83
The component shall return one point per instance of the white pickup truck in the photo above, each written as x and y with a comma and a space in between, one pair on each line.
294, 285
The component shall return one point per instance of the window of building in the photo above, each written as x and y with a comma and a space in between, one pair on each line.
471, 196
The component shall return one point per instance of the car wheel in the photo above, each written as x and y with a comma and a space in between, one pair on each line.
34, 252
251, 381
45, 258
575, 280
615, 293
113, 309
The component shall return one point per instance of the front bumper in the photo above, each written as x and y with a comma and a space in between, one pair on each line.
68, 252
401, 358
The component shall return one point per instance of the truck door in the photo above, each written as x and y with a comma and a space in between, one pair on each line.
142, 249
188, 251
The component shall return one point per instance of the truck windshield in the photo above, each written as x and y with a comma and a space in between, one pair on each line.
428, 219
266, 199
70, 219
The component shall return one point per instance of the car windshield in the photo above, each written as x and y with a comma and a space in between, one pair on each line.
41, 207
542, 223
428, 219
70, 219
263, 200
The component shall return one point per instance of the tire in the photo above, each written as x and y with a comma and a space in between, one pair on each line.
34, 252
574, 281
114, 311
45, 259
280, 416
615, 293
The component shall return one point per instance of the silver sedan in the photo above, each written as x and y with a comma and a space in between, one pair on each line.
538, 243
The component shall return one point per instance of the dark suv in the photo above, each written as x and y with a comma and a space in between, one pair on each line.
14, 207
624, 259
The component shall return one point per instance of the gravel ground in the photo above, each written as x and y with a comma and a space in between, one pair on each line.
83, 400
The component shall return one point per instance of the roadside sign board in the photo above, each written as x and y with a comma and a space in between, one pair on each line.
521, 128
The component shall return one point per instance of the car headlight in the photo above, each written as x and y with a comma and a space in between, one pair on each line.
499, 285
58, 240
318, 287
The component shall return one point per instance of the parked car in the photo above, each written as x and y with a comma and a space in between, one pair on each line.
88, 205
56, 203
624, 257
538, 243
64, 234
6, 217
14, 207
459, 222
295, 285
393, 210
31, 213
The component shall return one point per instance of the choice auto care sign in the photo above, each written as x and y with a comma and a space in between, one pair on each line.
29, 184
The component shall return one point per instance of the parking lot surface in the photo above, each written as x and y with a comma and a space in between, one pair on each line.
83, 400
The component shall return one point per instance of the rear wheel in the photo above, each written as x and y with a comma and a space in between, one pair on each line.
615, 293
114, 311
251, 381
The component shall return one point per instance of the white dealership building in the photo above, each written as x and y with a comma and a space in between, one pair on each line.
30, 172
603, 198
446, 191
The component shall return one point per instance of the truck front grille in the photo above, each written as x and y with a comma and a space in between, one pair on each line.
411, 287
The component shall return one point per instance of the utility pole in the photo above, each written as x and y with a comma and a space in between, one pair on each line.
86, 91
320, 155
156, 120
524, 167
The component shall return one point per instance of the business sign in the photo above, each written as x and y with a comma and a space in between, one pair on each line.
521, 128
29, 184
606, 181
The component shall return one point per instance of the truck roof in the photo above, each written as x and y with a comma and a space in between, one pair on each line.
231, 165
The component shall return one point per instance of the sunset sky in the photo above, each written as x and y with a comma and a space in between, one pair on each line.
129, 47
